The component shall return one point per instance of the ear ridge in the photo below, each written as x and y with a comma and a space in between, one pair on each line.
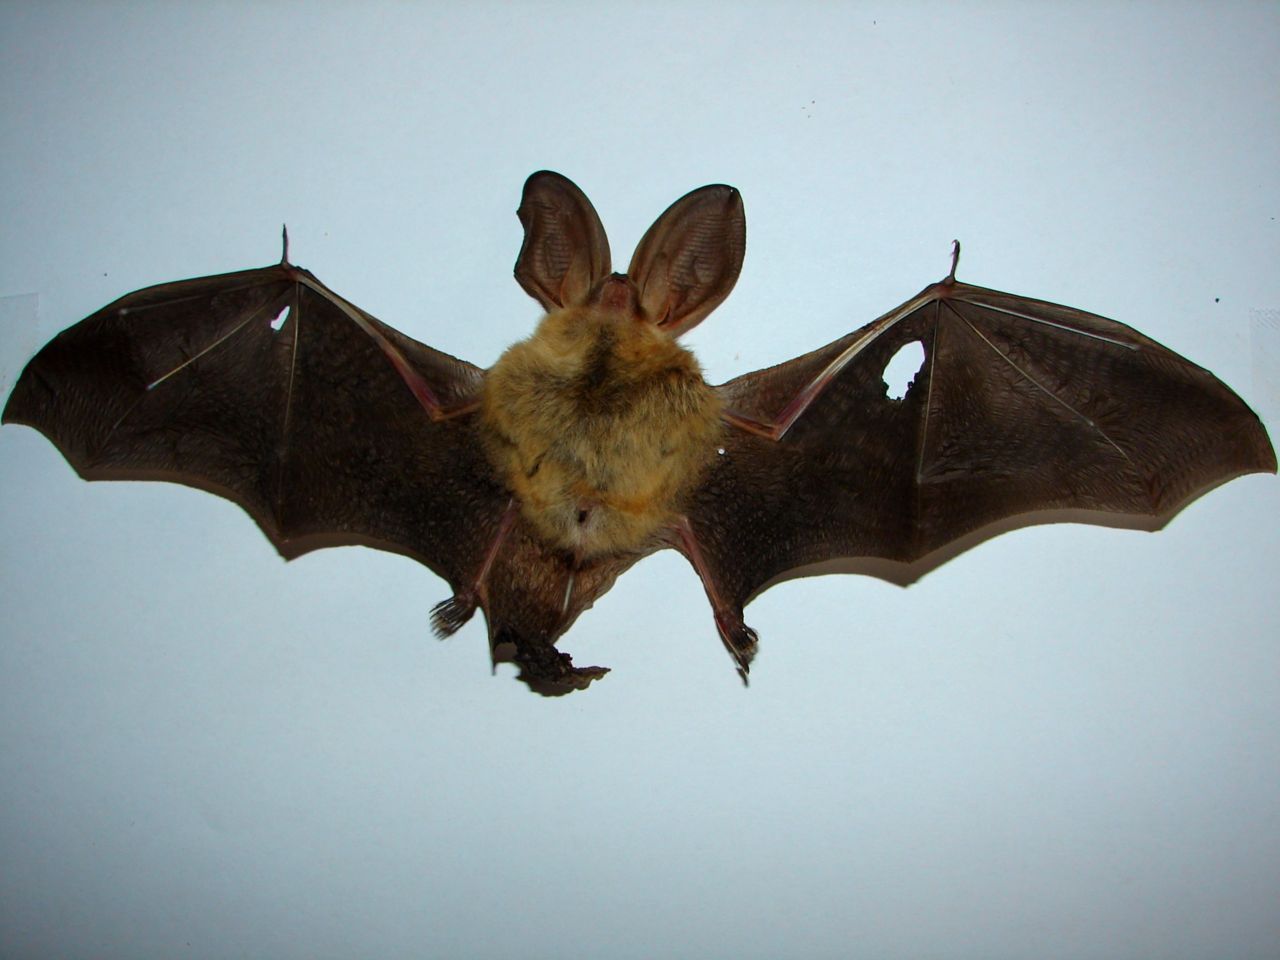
565, 249
689, 260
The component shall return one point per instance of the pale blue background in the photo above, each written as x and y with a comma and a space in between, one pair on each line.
1062, 744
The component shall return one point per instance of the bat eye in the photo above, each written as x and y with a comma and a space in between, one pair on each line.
281, 318
902, 368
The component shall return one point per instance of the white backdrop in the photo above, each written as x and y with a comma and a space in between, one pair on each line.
1063, 743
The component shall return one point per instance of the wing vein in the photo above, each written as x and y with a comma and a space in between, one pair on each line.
212, 346
415, 382
282, 454
125, 311
924, 427
801, 401
1040, 386
180, 367
1048, 323
928, 404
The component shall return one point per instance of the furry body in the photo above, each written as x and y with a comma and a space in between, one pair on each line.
599, 423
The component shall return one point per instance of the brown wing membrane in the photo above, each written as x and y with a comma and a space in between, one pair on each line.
265, 387
1020, 407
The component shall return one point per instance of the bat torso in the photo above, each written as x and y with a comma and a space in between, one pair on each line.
599, 424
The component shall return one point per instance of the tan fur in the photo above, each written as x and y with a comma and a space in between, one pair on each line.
600, 424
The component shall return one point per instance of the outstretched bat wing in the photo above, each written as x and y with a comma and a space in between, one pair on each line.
267, 388
1020, 407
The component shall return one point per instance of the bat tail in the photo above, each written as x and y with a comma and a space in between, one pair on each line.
555, 676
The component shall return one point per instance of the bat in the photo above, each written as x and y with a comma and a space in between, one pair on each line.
531, 486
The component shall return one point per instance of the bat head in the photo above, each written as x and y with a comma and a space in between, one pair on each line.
685, 264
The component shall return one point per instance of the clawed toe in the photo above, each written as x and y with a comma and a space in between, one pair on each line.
739, 639
448, 615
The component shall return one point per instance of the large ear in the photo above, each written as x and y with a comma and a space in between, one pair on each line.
565, 250
689, 260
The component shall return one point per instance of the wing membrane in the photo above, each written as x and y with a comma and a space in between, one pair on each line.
1021, 409
267, 388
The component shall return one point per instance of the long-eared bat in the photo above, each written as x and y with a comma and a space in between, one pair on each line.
532, 485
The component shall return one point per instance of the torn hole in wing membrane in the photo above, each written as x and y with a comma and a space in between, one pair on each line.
281, 318
902, 368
